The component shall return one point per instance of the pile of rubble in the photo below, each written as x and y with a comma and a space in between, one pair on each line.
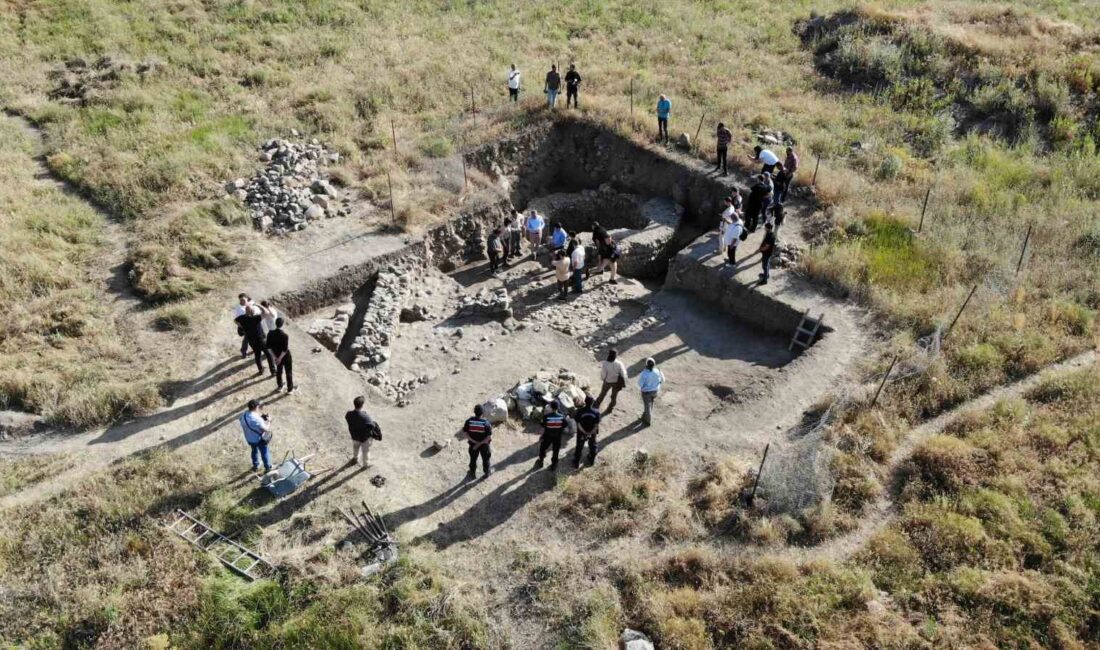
290, 191
775, 137
786, 255
493, 303
329, 332
528, 399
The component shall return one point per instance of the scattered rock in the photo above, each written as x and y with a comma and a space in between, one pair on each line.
414, 314
495, 410
378, 480
440, 445
684, 142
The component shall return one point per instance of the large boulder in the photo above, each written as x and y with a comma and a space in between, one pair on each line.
634, 640
495, 410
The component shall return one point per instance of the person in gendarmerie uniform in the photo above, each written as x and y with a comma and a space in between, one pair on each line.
479, 433
588, 427
553, 426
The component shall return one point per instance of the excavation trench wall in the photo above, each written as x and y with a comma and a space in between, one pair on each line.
446, 247
571, 155
743, 301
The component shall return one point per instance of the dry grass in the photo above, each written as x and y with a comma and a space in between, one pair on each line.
17, 474
611, 497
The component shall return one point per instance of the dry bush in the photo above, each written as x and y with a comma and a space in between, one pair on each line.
716, 492
944, 465
610, 497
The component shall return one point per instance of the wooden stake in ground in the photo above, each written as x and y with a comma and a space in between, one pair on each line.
924, 208
961, 309
699, 130
631, 104
883, 384
813, 182
756, 483
393, 130
393, 209
1023, 250
465, 177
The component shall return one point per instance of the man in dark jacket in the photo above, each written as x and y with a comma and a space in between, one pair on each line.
479, 434
755, 205
767, 248
363, 429
588, 426
251, 323
278, 345
572, 85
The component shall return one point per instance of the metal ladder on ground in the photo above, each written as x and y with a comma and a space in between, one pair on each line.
237, 557
806, 332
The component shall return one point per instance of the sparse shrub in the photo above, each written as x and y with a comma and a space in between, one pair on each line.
890, 167
437, 147
1007, 104
613, 494
944, 465
173, 318
944, 539
1052, 98
855, 485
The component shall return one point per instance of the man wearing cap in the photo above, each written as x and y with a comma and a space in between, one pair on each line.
650, 382
479, 433
588, 426
553, 426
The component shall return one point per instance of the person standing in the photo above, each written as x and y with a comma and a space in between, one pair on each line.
553, 85
513, 84
725, 220
558, 238
791, 163
479, 433
778, 214
733, 236
608, 252
724, 137
769, 196
613, 376
588, 427
515, 236
533, 227
553, 426
257, 434
278, 344
561, 274
767, 247
766, 158
364, 431
781, 182
270, 316
576, 262
251, 323
664, 108
650, 382
495, 250
243, 302
754, 206
572, 85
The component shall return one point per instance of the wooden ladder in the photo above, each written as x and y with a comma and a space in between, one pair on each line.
806, 332
237, 557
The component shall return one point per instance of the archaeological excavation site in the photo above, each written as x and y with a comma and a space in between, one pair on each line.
432, 332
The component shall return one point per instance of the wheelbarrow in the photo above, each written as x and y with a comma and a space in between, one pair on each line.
287, 477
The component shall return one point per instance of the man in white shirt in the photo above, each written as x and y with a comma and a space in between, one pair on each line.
766, 157
533, 227
613, 375
725, 221
513, 84
243, 301
732, 237
270, 316
576, 262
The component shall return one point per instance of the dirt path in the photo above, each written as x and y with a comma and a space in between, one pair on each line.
879, 514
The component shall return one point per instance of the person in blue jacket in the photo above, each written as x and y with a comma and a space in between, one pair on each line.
664, 107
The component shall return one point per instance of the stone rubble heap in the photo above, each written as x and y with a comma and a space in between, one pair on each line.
291, 190
527, 399
786, 255
329, 332
775, 137
493, 303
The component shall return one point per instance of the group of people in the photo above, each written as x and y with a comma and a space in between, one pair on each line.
567, 253
558, 423
765, 203
551, 86
260, 327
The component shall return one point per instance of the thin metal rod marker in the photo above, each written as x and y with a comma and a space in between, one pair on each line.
813, 181
1023, 250
924, 208
699, 130
884, 378
389, 185
393, 130
756, 482
961, 309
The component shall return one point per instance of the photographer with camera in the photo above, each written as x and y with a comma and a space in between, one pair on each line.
257, 433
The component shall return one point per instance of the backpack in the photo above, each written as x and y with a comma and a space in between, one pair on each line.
744, 233
376, 433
